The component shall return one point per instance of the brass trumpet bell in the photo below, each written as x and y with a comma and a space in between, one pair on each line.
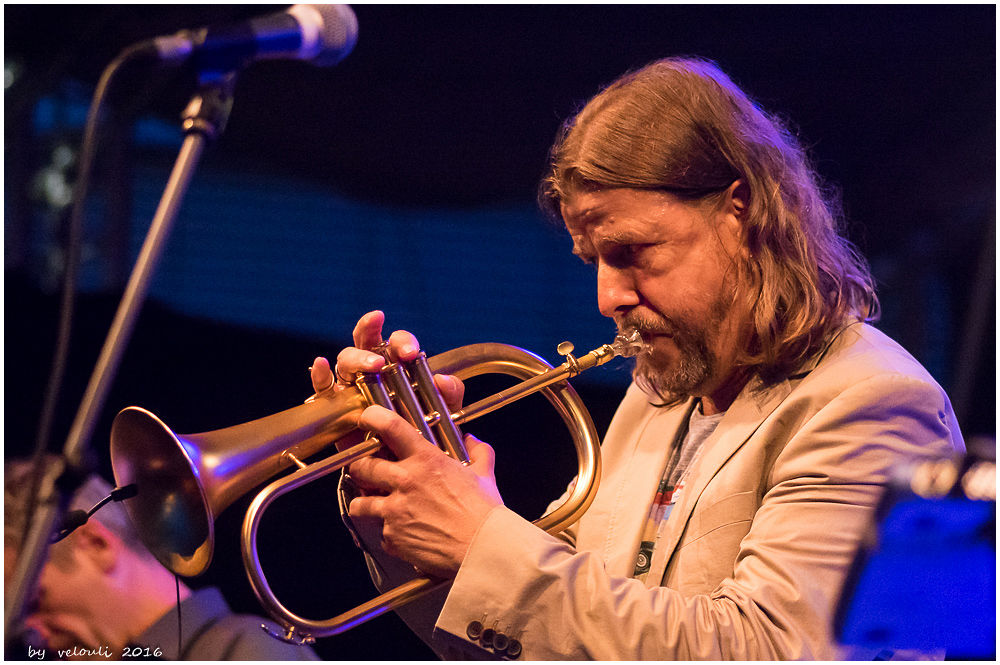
186, 480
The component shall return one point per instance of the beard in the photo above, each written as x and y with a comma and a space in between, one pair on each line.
674, 380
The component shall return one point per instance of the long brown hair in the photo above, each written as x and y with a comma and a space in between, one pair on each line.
682, 126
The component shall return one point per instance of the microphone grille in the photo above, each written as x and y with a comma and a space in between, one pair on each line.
338, 33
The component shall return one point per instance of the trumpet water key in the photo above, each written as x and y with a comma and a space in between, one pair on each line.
185, 481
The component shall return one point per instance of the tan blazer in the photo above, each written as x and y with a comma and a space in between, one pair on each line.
752, 559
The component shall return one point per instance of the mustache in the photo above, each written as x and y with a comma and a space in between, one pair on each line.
648, 324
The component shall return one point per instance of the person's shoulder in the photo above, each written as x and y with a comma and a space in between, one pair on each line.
865, 365
243, 637
861, 351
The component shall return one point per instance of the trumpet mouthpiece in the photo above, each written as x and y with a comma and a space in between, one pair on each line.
628, 343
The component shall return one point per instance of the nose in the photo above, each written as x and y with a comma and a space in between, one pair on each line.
616, 290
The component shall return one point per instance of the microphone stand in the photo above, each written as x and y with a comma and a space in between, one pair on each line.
204, 119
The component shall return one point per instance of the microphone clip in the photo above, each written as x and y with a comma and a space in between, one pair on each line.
209, 108
74, 519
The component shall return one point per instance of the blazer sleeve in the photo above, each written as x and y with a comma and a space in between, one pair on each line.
817, 498
388, 572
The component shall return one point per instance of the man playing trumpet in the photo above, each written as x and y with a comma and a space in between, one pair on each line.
746, 458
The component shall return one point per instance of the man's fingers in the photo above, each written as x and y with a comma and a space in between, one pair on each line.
367, 506
321, 374
481, 455
481, 461
375, 474
403, 346
400, 436
452, 390
368, 332
352, 360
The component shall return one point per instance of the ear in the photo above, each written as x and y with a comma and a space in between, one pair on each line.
99, 544
738, 198
732, 211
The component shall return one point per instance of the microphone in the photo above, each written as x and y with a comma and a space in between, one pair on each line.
74, 519
321, 34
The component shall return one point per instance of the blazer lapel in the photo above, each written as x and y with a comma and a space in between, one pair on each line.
742, 419
635, 488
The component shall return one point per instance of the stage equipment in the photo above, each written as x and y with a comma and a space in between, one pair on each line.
185, 481
924, 576
320, 34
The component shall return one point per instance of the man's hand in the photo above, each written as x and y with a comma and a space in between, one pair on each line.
430, 504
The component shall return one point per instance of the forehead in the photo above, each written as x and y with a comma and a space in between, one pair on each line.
620, 209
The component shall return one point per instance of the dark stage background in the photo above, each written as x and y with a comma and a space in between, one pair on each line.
404, 179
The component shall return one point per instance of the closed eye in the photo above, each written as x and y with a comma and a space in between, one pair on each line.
625, 254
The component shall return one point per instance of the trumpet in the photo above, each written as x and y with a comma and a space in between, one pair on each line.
184, 481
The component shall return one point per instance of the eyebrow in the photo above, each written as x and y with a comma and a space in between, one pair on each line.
587, 250
618, 237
